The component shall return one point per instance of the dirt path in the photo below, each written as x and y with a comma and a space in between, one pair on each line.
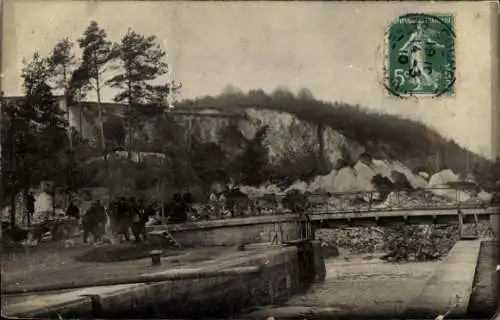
42, 266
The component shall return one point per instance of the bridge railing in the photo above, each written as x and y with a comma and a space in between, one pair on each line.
422, 199
363, 201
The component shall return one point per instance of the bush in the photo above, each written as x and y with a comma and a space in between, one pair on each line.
419, 242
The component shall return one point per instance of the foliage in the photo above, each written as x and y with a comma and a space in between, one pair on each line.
252, 163
488, 175
62, 62
50, 130
141, 61
33, 132
97, 51
346, 159
114, 132
208, 162
18, 153
45, 118
36, 72
383, 135
426, 242
302, 165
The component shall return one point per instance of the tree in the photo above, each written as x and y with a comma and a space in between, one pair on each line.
63, 64
50, 131
17, 151
142, 62
114, 132
45, 119
231, 90
252, 163
97, 51
36, 72
305, 94
33, 132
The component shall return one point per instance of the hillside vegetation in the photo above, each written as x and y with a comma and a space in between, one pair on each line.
193, 162
384, 136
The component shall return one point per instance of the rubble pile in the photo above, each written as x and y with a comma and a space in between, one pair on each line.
354, 187
422, 241
353, 239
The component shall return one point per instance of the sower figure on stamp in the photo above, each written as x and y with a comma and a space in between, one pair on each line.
415, 49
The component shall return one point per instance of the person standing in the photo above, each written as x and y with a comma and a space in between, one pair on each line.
72, 211
178, 214
30, 206
187, 202
123, 218
100, 223
138, 220
221, 206
213, 206
88, 222
113, 217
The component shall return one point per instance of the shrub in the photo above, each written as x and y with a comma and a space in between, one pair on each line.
418, 242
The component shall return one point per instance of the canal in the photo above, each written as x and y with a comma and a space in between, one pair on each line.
366, 286
358, 285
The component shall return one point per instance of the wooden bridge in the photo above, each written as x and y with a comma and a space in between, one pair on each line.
415, 216
424, 206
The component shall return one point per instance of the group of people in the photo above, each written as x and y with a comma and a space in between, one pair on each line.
128, 216
93, 220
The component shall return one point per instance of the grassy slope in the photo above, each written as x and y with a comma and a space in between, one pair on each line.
384, 135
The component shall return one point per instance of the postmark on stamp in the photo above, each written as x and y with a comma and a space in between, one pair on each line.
420, 56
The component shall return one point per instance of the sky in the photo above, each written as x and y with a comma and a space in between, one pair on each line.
336, 49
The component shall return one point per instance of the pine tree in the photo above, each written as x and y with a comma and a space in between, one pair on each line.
63, 64
141, 60
33, 132
45, 116
18, 151
97, 51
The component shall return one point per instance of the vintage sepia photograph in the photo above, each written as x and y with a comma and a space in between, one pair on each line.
249, 159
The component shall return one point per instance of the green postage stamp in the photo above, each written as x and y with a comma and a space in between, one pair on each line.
420, 56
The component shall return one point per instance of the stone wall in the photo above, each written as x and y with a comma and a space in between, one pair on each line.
231, 231
285, 273
275, 286
213, 297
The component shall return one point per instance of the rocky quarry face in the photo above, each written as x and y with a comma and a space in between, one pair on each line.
289, 136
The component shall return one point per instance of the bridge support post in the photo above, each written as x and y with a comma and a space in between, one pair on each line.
318, 260
460, 223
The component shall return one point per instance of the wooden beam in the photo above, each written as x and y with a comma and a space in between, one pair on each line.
208, 115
